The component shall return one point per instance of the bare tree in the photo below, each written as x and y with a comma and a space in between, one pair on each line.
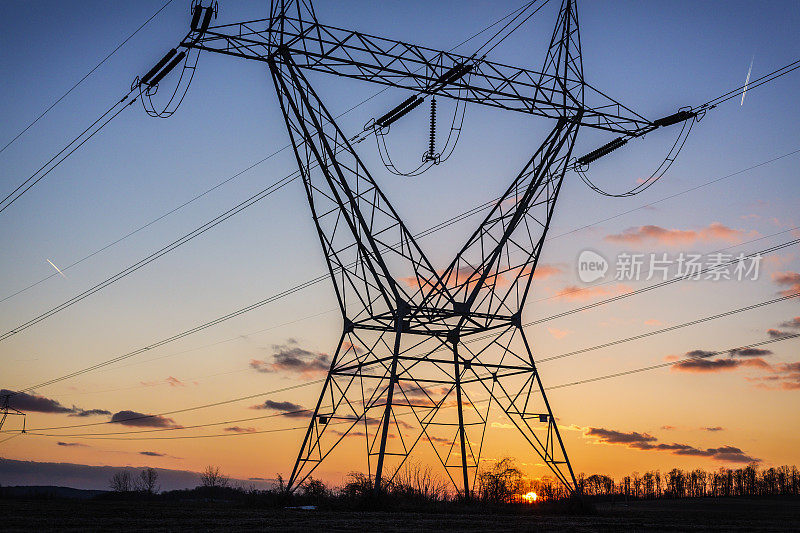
120, 481
147, 481
501, 482
212, 477
414, 479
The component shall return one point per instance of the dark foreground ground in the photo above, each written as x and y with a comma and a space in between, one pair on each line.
733, 514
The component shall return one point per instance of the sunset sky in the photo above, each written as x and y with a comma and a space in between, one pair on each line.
714, 411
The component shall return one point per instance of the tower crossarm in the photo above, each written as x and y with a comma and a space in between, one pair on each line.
389, 62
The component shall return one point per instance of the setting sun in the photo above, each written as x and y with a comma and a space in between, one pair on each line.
530, 497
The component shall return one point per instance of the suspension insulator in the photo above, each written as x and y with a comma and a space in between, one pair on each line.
206, 20
171, 65
432, 143
606, 149
454, 73
680, 116
197, 10
405, 106
158, 66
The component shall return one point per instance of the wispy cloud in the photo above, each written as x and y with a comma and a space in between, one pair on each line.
575, 293
291, 358
790, 280
238, 429
785, 376
702, 361
558, 333
289, 409
647, 442
88, 412
651, 234
33, 403
133, 418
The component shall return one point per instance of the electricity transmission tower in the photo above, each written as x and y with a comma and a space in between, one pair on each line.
419, 344
6, 409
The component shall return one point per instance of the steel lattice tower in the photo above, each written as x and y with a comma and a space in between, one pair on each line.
418, 343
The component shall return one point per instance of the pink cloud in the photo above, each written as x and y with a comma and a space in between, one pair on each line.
701, 365
785, 376
558, 333
545, 271
576, 293
175, 382
715, 232
787, 279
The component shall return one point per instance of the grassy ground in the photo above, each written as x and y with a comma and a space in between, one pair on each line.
734, 514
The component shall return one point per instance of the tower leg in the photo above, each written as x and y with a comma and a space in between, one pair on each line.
460, 408
387, 413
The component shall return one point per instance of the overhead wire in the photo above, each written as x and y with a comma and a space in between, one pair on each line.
475, 339
686, 128
657, 174
673, 363
325, 276
139, 418
568, 354
264, 193
670, 328
764, 82
636, 370
429, 160
146, 225
193, 199
114, 111
114, 435
775, 74
80, 81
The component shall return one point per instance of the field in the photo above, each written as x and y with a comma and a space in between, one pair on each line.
723, 514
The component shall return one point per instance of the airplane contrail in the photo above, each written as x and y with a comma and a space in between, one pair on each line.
58, 269
747, 81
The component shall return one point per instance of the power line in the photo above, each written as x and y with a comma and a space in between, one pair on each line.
672, 363
155, 255
662, 283
775, 74
560, 356
181, 428
264, 302
148, 224
181, 437
671, 328
207, 191
562, 385
277, 185
186, 409
67, 151
11, 437
539, 361
120, 45
31, 324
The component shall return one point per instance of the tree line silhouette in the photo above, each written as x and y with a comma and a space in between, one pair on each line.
500, 482
698, 483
